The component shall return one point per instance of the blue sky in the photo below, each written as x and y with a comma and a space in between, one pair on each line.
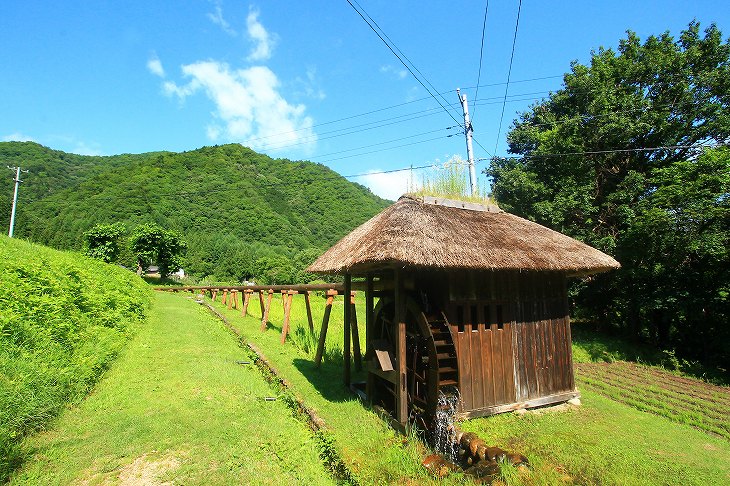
298, 79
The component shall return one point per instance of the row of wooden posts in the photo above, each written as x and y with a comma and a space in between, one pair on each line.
229, 296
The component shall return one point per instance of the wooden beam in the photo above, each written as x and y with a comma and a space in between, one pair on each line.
246, 298
265, 319
369, 307
325, 322
287, 313
401, 396
261, 303
309, 311
355, 334
347, 325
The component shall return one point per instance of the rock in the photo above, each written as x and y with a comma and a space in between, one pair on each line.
575, 402
517, 460
495, 454
438, 466
482, 452
474, 444
486, 471
466, 439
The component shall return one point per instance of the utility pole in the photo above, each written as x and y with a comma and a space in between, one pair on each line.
468, 130
15, 197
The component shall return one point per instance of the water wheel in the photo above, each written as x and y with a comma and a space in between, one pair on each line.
431, 362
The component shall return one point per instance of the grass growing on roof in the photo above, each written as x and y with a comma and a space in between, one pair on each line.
451, 181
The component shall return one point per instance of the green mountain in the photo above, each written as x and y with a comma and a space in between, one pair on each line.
238, 210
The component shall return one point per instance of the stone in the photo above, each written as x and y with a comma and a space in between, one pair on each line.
575, 402
438, 466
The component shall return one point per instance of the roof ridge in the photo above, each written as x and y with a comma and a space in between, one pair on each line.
454, 203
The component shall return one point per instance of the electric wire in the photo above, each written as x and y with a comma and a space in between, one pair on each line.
509, 74
481, 56
392, 49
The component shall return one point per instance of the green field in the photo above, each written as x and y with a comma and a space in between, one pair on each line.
177, 407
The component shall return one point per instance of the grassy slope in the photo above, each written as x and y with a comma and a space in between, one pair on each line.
176, 405
63, 318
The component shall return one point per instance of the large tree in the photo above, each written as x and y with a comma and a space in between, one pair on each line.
151, 243
599, 158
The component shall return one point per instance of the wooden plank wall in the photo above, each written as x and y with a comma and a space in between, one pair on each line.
512, 337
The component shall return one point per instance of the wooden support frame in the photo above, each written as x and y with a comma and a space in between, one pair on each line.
369, 319
224, 299
261, 303
347, 330
401, 395
265, 318
246, 299
288, 296
309, 310
355, 333
325, 323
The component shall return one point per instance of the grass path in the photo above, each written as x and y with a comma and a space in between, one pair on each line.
177, 407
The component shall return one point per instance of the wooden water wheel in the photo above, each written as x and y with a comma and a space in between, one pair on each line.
430, 358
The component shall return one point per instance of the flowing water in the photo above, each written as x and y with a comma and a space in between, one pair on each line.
444, 434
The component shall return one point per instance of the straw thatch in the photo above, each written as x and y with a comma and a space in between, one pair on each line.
416, 234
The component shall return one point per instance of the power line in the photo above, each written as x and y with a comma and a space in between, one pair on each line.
612, 151
481, 56
509, 74
363, 14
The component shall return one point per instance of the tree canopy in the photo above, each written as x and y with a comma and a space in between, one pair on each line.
152, 244
620, 158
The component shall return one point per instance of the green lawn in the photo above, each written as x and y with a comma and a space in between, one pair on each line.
176, 405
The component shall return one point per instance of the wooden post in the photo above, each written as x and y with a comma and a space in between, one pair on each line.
355, 333
224, 299
287, 313
325, 322
265, 319
309, 311
213, 294
401, 395
232, 304
261, 302
246, 298
369, 307
348, 324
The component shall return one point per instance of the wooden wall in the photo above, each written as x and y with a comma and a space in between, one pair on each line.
512, 336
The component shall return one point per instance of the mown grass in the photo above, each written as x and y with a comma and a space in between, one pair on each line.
177, 406
373, 452
63, 319
606, 442
602, 442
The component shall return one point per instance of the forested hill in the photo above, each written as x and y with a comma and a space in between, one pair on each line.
231, 204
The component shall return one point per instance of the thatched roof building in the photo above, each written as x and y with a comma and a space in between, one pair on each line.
468, 297
444, 234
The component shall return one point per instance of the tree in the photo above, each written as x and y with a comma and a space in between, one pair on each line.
102, 241
596, 160
153, 244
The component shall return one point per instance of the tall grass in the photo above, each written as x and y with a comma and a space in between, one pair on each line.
450, 180
63, 318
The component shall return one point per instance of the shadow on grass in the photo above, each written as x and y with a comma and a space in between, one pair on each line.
328, 378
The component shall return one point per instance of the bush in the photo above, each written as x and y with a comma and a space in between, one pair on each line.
63, 319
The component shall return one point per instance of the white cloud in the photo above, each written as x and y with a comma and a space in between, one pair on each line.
249, 106
217, 18
155, 66
398, 73
82, 148
17, 137
391, 185
264, 42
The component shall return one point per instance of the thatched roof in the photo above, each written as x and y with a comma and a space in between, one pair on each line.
435, 234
